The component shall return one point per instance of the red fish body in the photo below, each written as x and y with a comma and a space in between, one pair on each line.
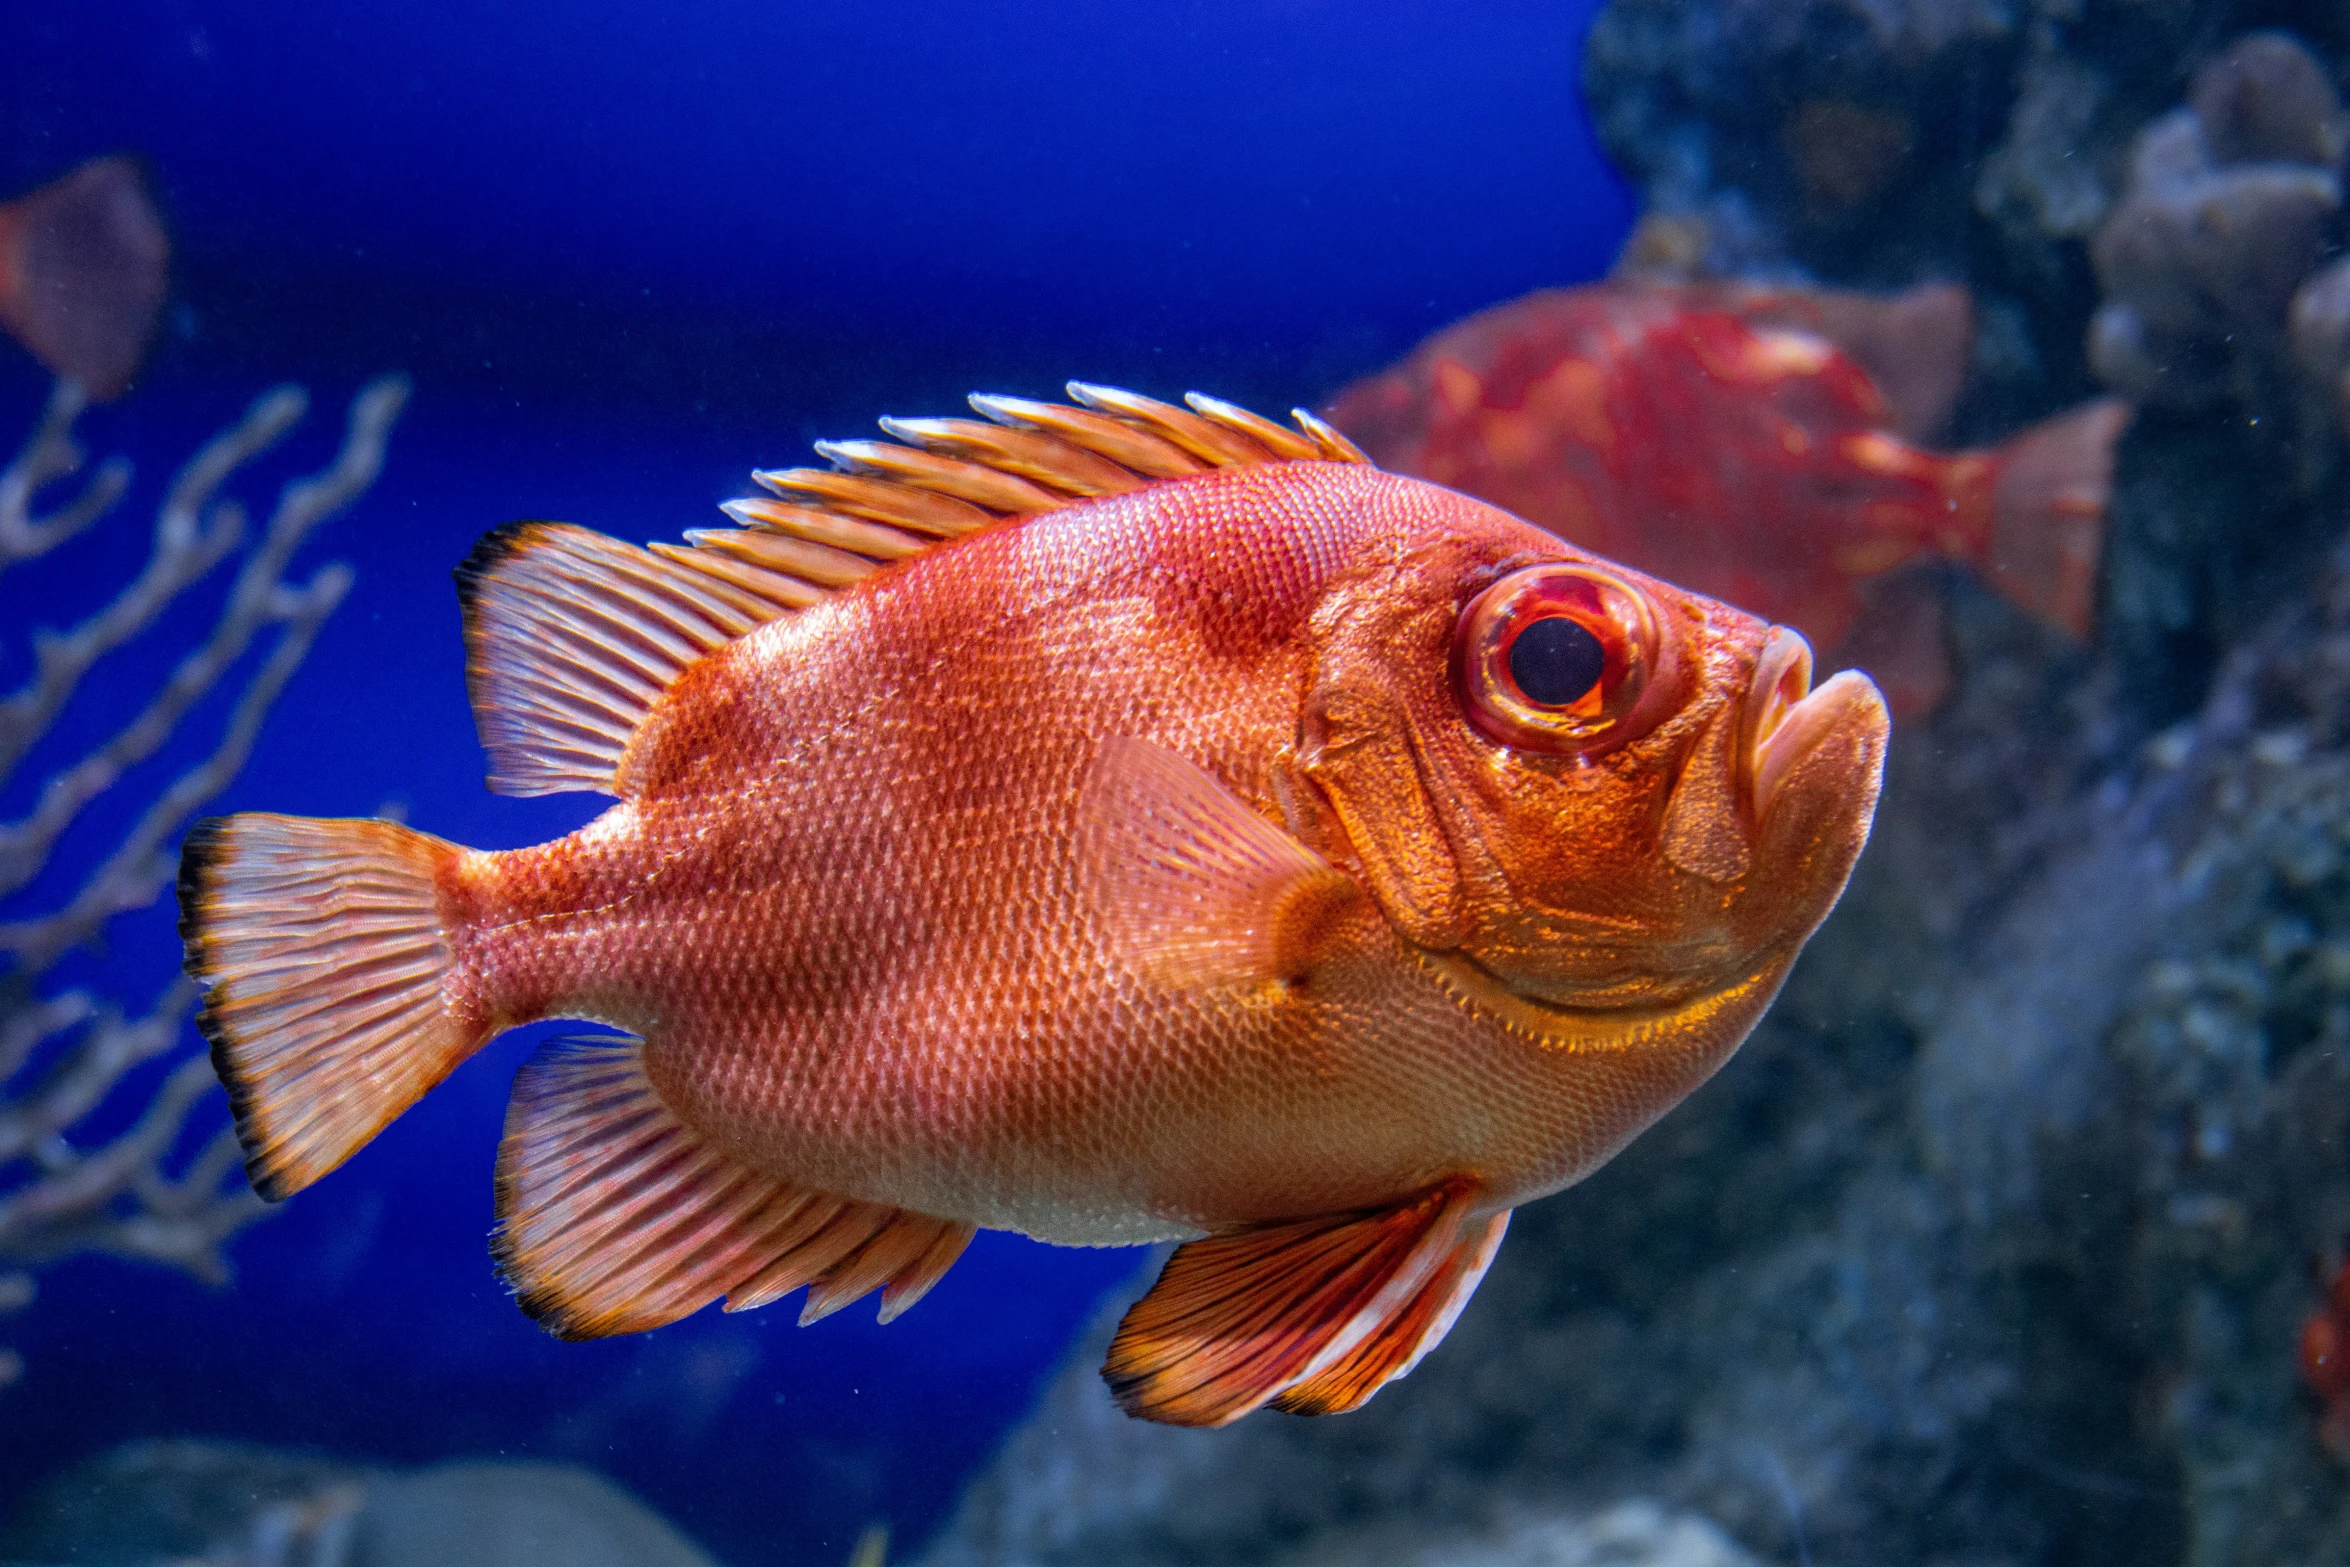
1720, 437
1229, 843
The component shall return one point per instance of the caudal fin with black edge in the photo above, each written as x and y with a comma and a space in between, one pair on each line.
1311, 1316
324, 952
2048, 500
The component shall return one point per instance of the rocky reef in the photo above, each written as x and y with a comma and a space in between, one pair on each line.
226, 1504
1996, 1244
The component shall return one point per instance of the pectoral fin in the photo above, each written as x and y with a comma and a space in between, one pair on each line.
1193, 886
1310, 1315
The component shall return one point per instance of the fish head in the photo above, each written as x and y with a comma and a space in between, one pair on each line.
1572, 784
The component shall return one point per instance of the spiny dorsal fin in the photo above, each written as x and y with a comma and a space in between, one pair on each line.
884, 500
572, 636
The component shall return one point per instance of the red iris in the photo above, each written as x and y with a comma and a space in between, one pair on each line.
1563, 658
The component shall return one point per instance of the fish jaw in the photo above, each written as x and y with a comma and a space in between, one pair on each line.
1814, 777
1849, 704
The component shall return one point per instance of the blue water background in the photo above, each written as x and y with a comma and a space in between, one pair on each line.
629, 253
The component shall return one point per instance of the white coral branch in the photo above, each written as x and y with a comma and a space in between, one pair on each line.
51, 454
65, 1056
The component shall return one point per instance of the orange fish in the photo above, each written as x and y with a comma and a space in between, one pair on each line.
1729, 438
84, 262
1114, 824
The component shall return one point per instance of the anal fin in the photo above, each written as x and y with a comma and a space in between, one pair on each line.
614, 1216
1310, 1315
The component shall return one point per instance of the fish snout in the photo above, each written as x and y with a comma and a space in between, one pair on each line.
1785, 720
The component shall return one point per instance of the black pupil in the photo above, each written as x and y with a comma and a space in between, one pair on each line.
1556, 660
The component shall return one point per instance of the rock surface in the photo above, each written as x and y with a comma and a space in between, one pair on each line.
223, 1504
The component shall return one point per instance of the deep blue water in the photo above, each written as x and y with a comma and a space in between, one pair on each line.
629, 254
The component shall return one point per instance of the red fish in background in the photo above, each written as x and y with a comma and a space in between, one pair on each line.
1761, 445
84, 262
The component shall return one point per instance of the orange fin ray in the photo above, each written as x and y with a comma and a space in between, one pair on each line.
1404, 1340
324, 953
1194, 886
913, 1281
2048, 503
1128, 445
614, 1216
1329, 1306
570, 639
894, 1249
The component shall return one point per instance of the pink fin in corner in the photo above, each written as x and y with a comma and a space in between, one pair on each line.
1196, 888
84, 270
1312, 1314
615, 1217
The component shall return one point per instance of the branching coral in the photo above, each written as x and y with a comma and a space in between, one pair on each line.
63, 1056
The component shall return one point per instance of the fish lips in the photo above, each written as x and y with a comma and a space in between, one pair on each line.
1841, 728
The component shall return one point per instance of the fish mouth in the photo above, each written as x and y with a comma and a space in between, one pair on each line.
1558, 1024
1785, 719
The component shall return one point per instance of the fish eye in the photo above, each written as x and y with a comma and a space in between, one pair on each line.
1556, 660
1563, 658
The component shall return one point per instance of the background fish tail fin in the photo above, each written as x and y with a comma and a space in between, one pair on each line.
323, 949
1310, 1315
614, 1216
2050, 486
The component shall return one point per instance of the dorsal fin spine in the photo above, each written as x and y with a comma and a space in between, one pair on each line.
1152, 456
1202, 438
821, 564
873, 540
876, 499
977, 483
773, 587
1286, 445
1041, 459
1328, 438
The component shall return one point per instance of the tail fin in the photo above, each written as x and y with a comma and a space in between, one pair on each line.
325, 958
2048, 499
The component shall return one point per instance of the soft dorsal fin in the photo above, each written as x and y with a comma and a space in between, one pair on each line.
572, 636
